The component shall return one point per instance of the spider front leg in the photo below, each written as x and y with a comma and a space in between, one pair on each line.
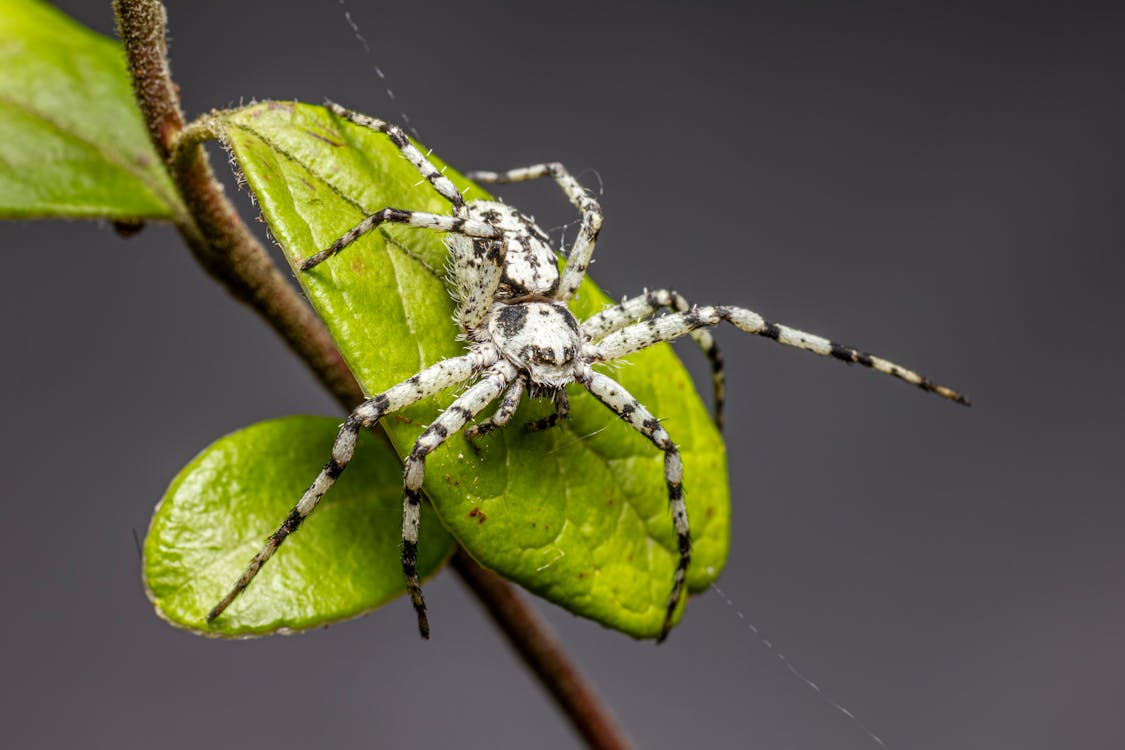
578, 259
630, 311
467, 405
503, 415
425, 167
643, 335
613, 395
433, 379
562, 410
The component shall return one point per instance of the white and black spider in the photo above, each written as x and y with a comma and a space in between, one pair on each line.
512, 310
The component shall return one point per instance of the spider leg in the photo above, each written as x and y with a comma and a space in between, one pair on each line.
440, 222
467, 405
503, 415
578, 259
638, 308
562, 410
441, 183
613, 395
643, 335
435, 378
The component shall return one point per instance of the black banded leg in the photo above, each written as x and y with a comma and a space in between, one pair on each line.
578, 259
432, 174
636, 309
468, 404
613, 395
562, 410
503, 415
435, 378
440, 222
669, 327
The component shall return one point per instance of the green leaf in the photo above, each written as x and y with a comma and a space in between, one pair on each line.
577, 514
72, 141
342, 562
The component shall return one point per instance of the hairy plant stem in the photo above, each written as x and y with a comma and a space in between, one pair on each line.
226, 249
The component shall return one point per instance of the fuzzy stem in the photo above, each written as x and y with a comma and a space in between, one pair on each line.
225, 248
217, 237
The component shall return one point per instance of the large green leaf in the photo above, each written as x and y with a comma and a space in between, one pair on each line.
577, 514
72, 141
344, 560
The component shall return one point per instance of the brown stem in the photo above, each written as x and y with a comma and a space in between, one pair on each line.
533, 639
216, 235
225, 248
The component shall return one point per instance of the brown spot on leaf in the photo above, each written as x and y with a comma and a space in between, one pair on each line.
478, 514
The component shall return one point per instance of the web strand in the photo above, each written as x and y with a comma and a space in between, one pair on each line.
796, 672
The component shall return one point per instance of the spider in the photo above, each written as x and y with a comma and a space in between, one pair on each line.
512, 311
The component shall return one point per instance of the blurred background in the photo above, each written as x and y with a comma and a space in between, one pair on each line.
938, 183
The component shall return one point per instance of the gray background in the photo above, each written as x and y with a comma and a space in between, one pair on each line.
939, 184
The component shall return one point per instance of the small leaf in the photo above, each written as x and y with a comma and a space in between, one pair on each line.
72, 141
578, 513
343, 561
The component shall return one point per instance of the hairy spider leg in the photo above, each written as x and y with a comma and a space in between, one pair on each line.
636, 309
578, 259
425, 167
433, 379
454, 224
468, 405
476, 285
561, 412
504, 412
642, 335
613, 395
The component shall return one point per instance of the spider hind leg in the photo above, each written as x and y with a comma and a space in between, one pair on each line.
562, 410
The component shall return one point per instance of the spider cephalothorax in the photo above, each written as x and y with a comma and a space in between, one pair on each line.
512, 311
541, 338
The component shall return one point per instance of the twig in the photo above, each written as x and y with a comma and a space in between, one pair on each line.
225, 248
218, 238
536, 643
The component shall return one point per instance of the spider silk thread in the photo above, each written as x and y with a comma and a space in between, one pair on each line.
796, 672
387, 90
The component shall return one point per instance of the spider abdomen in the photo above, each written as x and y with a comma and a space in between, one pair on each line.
540, 338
